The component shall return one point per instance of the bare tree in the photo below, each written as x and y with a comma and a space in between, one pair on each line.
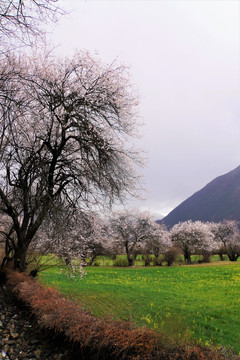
66, 129
20, 19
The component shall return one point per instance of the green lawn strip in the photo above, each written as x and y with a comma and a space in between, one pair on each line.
202, 302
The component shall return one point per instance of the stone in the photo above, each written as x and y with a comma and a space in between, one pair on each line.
10, 342
10, 351
37, 353
13, 334
6, 348
22, 355
34, 341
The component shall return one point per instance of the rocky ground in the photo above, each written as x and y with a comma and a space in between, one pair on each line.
20, 337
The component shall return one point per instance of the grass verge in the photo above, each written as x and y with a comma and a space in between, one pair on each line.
198, 303
97, 338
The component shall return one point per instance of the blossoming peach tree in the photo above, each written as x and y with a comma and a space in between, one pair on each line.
68, 239
132, 230
193, 236
227, 237
66, 128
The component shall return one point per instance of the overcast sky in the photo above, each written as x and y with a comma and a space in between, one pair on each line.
184, 58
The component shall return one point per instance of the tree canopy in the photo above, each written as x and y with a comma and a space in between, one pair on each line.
65, 130
21, 20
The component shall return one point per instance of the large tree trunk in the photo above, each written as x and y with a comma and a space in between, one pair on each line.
187, 257
221, 252
19, 258
130, 260
221, 256
233, 257
92, 259
128, 252
25, 236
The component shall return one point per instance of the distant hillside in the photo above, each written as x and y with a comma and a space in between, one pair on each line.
218, 200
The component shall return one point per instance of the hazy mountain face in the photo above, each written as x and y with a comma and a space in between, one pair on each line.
218, 200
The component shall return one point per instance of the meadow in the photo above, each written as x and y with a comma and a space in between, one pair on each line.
199, 302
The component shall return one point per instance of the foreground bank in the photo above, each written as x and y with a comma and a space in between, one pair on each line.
87, 337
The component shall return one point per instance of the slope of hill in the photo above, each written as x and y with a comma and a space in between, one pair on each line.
218, 200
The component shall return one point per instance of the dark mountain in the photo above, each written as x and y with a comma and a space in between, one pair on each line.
218, 200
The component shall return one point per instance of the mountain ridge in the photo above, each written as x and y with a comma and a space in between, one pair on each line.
216, 201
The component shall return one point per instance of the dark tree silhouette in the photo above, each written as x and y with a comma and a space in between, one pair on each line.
65, 138
20, 20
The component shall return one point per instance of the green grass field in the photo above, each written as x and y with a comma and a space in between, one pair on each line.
192, 302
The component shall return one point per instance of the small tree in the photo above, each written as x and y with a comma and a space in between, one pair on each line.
123, 226
131, 230
170, 256
190, 236
70, 236
158, 240
64, 135
62, 234
227, 236
97, 240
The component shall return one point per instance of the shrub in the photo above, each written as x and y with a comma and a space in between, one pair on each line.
96, 263
170, 256
205, 258
121, 262
147, 260
157, 261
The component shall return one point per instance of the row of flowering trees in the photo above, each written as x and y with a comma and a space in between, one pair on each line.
88, 235
207, 238
138, 233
